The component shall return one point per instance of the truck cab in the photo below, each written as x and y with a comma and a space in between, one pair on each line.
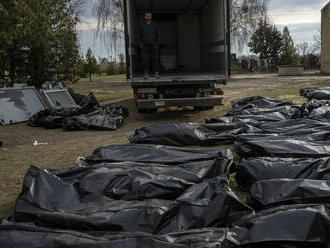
194, 49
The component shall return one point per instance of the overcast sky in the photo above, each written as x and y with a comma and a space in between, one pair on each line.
303, 18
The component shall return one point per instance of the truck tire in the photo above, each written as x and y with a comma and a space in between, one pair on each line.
141, 110
144, 111
153, 110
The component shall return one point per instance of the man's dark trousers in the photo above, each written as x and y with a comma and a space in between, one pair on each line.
150, 53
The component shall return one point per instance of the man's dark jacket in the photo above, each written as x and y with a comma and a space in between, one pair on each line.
148, 34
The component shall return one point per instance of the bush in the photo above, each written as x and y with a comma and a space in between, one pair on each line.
112, 69
122, 68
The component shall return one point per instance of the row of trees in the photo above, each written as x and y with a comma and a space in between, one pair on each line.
278, 48
89, 66
38, 41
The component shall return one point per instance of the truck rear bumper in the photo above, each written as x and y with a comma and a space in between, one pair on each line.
158, 103
181, 79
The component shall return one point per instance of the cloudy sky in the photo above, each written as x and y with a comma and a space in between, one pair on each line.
303, 18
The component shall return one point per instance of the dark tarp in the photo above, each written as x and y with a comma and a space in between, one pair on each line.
266, 114
24, 235
308, 107
53, 118
223, 119
89, 201
252, 170
254, 115
319, 93
78, 98
139, 181
321, 114
256, 109
281, 146
88, 115
185, 134
158, 154
259, 115
110, 118
258, 102
300, 128
247, 115
276, 192
303, 226
219, 131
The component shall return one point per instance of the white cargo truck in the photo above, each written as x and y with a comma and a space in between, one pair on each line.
194, 52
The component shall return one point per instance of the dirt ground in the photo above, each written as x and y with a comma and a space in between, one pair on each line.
63, 149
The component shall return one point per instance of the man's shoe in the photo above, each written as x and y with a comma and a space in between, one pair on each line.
157, 75
146, 76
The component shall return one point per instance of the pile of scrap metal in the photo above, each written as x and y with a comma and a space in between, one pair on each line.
55, 107
19, 104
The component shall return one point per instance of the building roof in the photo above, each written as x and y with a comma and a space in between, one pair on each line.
326, 6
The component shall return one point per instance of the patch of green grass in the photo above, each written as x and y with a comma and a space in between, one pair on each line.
105, 79
227, 244
242, 195
323, 84
7, 206
115, 96
285, 94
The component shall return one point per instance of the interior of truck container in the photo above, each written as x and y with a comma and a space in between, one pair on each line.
192, 36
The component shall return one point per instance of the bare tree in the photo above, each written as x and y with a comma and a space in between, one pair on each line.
317, 42
245, 16
77, 5
304, 48
110, 25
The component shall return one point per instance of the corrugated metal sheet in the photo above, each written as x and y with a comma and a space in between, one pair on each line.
19, 104
59, 98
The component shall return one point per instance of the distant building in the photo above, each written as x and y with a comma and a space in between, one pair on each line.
325, 37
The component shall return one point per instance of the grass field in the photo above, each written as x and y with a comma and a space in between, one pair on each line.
105, 88
105, 79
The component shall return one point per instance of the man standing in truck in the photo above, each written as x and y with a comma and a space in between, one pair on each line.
149, 45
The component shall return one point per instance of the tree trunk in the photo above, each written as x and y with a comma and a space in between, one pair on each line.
12, 71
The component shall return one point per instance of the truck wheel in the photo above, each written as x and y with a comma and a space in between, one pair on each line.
153, 110
143, 111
